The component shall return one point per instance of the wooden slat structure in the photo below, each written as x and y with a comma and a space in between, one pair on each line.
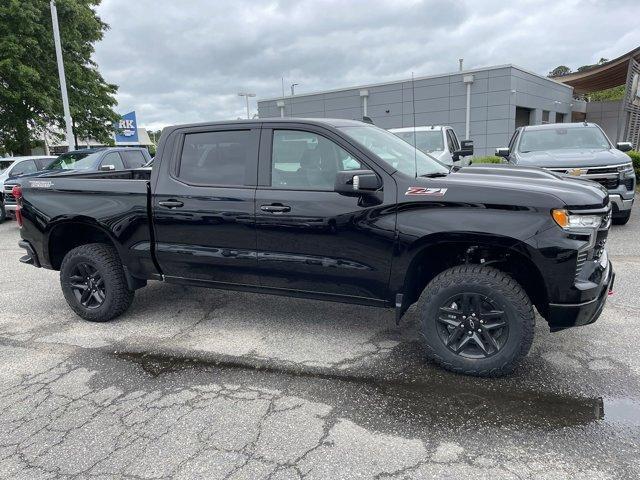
601, 77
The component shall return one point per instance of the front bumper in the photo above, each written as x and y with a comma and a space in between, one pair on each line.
12, 207
566, 315
620, 204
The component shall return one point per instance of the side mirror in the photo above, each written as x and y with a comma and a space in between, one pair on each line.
624, 146
107, 168
466, 149
354, 183
503, 152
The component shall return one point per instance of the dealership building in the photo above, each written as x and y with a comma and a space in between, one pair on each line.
484, 104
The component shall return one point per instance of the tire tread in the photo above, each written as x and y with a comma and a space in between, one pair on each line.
109, 261
498, 280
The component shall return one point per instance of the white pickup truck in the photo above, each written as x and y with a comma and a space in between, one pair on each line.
441, 142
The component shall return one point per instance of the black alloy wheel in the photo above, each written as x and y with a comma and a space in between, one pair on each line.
472, 326
87, 285
476, 320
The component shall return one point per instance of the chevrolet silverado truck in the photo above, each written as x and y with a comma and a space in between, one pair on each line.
333, 210
578, 149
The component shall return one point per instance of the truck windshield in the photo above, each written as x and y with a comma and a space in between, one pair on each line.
75, 161
429, 141
563, 139
4, 164
395, 151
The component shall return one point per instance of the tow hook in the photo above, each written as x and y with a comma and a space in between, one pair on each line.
399, 298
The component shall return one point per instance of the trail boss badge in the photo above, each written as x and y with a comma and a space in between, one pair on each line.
433, 192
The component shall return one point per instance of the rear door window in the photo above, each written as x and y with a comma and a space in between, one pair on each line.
133, 158
219, 158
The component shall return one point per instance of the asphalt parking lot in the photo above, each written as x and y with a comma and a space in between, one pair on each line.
195, 383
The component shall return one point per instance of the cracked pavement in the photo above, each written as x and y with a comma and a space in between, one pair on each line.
196, 383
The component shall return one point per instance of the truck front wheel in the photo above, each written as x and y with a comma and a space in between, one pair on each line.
476, 320
93, 282
622, 218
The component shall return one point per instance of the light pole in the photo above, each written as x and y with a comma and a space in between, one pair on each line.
63, 81
246, 95
293, 88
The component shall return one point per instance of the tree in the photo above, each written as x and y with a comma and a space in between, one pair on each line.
30, 99
559, 71
613, 93
587, 67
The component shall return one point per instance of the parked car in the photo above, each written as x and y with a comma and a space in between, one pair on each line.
87, 160
335, 210
3, 213
578, 149
11, 167
440, 142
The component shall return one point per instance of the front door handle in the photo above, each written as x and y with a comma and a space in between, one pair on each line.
171, 204
275, 208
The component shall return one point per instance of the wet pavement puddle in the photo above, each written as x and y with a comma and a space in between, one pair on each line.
454, 400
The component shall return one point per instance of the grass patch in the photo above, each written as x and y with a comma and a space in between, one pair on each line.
487, 159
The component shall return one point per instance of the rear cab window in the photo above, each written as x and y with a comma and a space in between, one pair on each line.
22, 168
219, 158
133, 158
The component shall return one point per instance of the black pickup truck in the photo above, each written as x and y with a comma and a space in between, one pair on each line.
336, 210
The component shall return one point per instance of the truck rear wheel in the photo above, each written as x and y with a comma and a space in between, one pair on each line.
93, 282
476, 320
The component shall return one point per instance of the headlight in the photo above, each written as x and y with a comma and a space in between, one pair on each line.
627, 167
570, 221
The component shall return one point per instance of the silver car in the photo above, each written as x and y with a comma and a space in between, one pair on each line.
578, 149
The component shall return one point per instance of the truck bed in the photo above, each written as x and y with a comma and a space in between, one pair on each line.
116, 202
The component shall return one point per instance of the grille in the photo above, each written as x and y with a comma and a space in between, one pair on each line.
601, 241
582, 258
608, 183
601, 170
8, 196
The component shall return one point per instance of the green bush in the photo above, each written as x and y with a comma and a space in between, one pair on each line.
635, 157
487, 159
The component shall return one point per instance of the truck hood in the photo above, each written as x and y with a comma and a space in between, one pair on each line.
572, 158
517, 187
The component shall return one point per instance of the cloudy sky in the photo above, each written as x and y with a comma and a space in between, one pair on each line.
185, 61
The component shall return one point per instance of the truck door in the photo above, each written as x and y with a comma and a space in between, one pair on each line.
203, 205
311, 238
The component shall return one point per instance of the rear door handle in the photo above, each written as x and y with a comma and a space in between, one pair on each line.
275, 208
171, 204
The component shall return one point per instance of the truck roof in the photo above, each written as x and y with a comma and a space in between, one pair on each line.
421, 128
333, 122
551, 126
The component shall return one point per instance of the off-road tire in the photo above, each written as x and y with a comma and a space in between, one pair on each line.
3, 213
491, 283
105, 260
621, 219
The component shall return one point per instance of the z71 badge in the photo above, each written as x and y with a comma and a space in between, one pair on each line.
433, 192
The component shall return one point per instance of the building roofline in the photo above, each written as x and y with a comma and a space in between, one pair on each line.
416, 79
